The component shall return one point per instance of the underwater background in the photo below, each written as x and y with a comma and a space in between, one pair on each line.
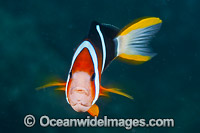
37, 39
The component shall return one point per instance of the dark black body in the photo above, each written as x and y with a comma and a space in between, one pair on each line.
109, 33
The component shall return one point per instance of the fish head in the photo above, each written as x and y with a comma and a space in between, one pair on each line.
81, 91
82, 87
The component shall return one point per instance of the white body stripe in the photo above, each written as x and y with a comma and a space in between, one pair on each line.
88, 45
103, 47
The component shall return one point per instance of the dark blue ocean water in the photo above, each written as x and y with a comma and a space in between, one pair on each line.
37, 39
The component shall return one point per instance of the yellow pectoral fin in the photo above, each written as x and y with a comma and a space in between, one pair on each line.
103, 93
60, 89
94, 110
53, 84
116, 91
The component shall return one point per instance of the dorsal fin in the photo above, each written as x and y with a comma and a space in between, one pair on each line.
93, 35
108, 30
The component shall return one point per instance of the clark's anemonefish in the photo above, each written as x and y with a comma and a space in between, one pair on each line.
102, 45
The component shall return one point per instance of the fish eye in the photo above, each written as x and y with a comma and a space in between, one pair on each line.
93, 76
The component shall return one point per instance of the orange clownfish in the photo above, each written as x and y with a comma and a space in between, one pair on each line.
102, 45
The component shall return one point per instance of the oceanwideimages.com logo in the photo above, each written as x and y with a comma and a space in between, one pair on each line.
45, 121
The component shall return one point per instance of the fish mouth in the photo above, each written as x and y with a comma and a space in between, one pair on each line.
79, 107
79, 96
80, 103
80, 90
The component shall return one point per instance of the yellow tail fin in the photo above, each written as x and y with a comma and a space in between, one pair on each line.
133, 39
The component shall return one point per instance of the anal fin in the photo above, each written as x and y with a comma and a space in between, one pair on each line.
94, 110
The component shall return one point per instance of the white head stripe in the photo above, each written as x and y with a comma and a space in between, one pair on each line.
103, 46
88, 45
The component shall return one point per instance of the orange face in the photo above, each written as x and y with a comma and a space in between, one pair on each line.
81, 86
